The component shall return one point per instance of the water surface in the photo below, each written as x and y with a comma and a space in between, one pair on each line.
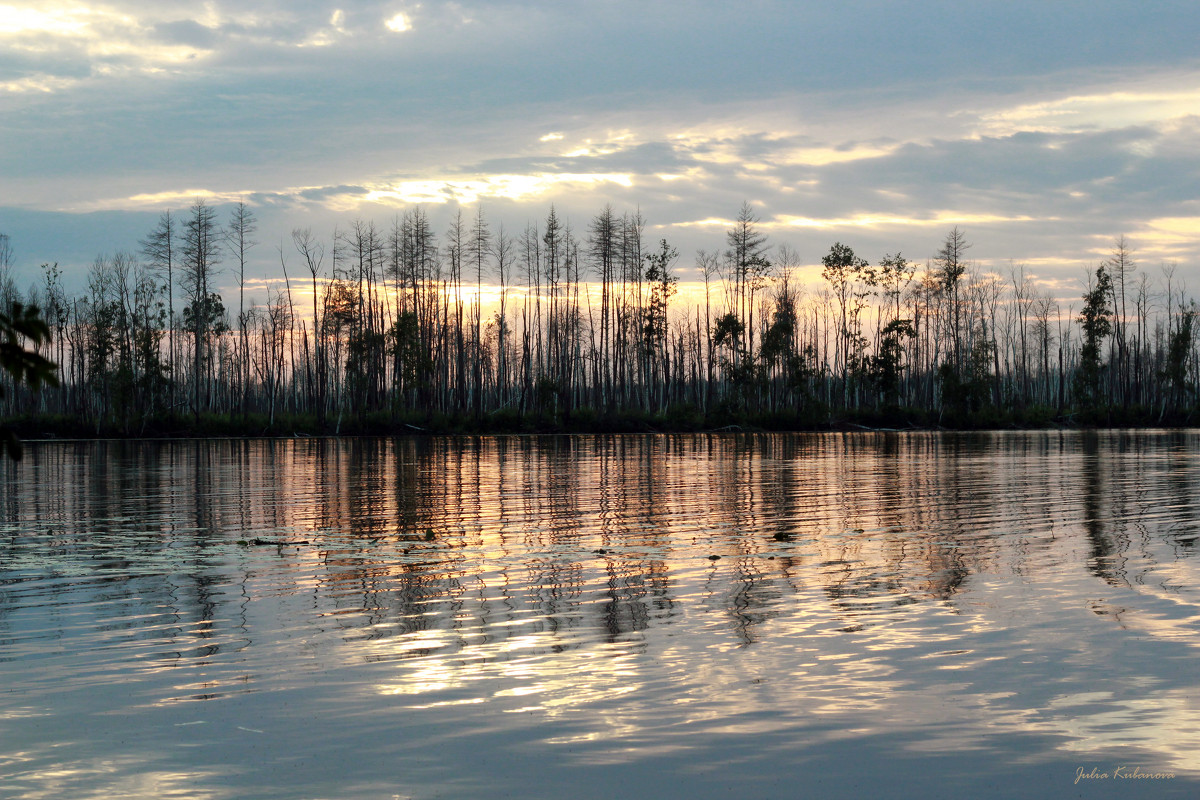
816, 615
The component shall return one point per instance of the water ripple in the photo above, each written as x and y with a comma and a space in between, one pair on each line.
673, 604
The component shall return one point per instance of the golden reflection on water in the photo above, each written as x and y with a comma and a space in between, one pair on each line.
638, 596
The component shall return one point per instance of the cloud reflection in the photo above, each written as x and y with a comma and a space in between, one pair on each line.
940, 591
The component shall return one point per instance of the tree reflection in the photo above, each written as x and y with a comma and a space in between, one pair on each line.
563, 541
1107, 542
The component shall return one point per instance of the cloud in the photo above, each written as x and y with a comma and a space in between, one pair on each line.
354, 199
36, 84
169, 199
1091, 112
511, 187
47, 19
398, 23
880, 125
939, 220
186, 32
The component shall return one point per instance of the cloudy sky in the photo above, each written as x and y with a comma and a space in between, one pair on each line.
1042, 128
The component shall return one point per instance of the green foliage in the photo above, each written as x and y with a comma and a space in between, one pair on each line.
888, 363
852, 280
840, 266
124, 321
26, 366
413, 362
209, 314
950, 261
746, 376
546, 392
393, 340
1096, 322
682, 417
662, 288
893, 274
966, 393
728, 330
779, 340
1179, 349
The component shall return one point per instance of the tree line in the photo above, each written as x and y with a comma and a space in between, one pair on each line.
547, 327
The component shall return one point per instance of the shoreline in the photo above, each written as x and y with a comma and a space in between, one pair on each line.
585, 422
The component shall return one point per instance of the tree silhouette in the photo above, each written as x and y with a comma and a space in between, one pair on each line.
25, 365
1095, 320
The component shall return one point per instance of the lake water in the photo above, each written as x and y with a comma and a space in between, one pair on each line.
702, 616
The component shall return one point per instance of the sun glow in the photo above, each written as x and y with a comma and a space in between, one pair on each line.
730, 145
398, 24
607, 146
176, 198
1171, 237
114, 44
821, 156
1099, 111
937, 220
58, 22
37, 83
395, 194
470, 190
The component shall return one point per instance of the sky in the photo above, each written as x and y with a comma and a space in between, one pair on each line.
1042, 129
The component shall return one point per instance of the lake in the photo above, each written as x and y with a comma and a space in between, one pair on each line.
694, 616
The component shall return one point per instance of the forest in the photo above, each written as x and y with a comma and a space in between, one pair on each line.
401, 329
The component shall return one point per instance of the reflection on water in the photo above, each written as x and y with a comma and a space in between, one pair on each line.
778, 615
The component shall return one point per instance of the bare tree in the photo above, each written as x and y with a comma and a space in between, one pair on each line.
952, 265
1119, 265
201, 255
313, 253
162, 249
239, 240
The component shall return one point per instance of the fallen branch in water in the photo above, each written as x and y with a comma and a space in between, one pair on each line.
269, 543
